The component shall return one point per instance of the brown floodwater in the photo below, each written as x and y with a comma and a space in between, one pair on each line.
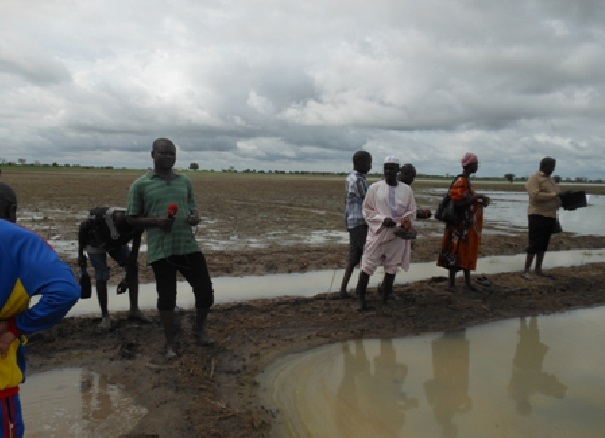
75, 402
529, 377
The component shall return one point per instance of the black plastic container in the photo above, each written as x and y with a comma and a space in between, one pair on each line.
572, 200
85, 285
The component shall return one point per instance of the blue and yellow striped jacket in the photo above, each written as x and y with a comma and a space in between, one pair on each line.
28, 267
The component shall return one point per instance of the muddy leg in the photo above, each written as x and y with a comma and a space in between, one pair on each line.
528, 261
102, 297
201, 315
452, 279
539, 260
167, 318
467, 280
387, 287
362, 285
345, 279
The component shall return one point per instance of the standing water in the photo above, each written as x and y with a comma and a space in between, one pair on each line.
528, 377
75, 402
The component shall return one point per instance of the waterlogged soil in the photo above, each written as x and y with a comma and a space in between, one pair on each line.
212, 391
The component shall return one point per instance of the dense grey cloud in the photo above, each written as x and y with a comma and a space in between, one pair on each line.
279, 84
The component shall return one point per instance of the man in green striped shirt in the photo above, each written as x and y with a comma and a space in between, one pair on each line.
171, 244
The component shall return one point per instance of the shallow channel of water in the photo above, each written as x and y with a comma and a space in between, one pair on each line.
231, 289
529, 377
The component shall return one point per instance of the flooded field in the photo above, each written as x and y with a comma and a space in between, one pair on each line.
275, 247
507, 215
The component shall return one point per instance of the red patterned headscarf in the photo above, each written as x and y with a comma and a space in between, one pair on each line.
469, 158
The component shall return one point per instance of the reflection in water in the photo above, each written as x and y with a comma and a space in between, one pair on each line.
360, 388
374, 398
355, 365
527, 377
76, 403
96, 396
391, 376
447, 391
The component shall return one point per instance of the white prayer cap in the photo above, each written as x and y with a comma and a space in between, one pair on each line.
391, 159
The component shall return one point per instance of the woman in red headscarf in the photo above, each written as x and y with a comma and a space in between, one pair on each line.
460, 244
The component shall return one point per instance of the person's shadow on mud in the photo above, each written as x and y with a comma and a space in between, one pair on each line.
447, 392
527, 376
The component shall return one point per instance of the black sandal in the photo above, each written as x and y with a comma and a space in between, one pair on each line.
483, 281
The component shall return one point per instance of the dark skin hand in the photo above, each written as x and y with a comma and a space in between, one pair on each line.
388, 223
164, 223
476, 199
6, 338
406, 224
193, 219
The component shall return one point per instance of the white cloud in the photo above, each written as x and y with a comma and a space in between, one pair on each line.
270, 84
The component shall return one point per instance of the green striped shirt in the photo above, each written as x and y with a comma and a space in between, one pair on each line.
150, 196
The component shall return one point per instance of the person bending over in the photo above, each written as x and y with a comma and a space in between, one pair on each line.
106, 231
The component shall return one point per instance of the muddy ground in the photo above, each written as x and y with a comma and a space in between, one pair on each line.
212, 391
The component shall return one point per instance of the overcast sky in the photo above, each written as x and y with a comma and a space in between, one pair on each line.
294, 85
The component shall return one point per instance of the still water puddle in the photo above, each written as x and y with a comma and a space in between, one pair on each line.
75, 402
528, 377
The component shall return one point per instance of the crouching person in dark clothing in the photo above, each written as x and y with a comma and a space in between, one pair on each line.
107, 231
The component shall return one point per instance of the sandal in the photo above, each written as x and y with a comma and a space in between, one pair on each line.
483, 281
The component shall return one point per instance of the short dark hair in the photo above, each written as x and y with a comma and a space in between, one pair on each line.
8, 202
161, 141
408, 168
547, 162
359, 156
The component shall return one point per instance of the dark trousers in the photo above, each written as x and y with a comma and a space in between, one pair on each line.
193, 267
539, 232
357, 240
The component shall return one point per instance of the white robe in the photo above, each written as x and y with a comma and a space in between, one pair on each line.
382, 247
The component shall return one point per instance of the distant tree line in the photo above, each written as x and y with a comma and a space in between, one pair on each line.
510, 177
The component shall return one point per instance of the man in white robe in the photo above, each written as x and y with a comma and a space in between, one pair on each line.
389, 208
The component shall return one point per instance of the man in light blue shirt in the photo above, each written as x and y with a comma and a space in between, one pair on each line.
356, 188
